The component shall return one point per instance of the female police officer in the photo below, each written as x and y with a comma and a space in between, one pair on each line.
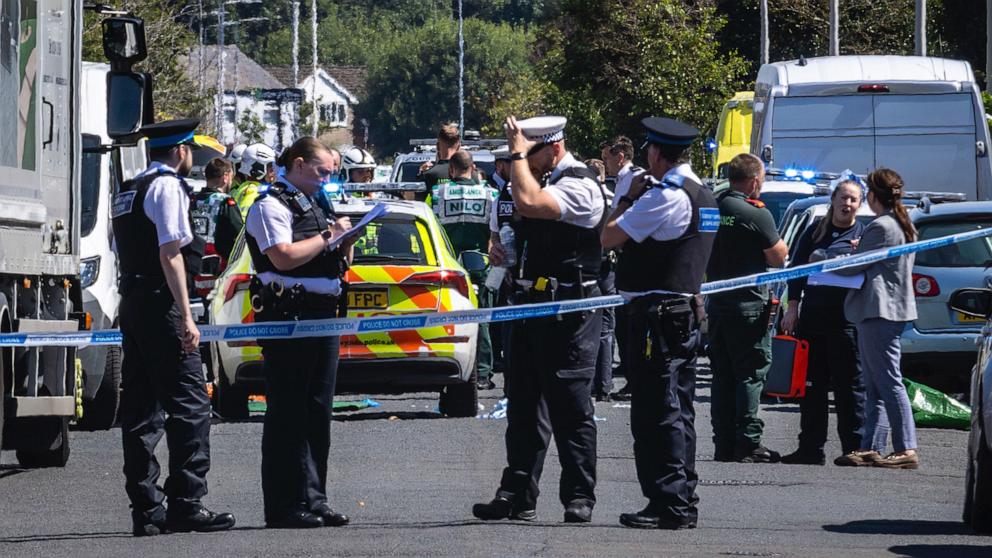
290, 230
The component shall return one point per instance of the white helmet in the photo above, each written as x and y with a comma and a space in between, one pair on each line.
356, 158
256, 160
237, 152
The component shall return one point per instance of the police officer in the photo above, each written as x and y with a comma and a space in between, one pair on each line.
739, 333
258, 163
500, 214
234, 157
552, 359
291, 234
665, 223
163, 384
462, 206
216, 216
358, 164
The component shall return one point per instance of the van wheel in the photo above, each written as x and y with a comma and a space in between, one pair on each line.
231, 400
56, 457
100, 413
460, 400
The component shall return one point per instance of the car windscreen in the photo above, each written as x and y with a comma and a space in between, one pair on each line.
397, 240
409, 172
90, 185
973, 253
778, 202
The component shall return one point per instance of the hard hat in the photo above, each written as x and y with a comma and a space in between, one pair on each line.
356, 158
237, 152
256, 159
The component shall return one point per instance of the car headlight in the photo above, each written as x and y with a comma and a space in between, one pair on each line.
89, 270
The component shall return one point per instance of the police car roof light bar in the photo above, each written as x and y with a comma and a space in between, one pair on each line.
384, 187
488, 142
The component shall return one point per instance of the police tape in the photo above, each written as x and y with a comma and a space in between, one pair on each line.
378, 324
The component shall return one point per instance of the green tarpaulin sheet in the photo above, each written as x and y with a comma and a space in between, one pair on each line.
933, 409
340, 406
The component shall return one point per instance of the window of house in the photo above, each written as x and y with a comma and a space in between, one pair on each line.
341, 115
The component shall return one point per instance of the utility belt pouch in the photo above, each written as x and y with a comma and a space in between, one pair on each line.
673, 323
267, 301
342, 302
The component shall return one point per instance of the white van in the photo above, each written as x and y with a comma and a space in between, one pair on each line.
922, 117
102, 172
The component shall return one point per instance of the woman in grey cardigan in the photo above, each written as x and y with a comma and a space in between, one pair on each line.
880, 310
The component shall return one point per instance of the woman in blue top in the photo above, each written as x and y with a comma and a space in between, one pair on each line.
833, 356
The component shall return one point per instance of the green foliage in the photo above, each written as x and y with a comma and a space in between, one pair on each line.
250, 128
413, 84
607, 68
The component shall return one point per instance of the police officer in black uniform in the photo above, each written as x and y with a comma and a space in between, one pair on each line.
666, 223
163, 388
552, 359
291, 235
502, 213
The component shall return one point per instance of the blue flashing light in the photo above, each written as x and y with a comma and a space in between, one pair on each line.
332, 187
791, 173
808, 175
711, 145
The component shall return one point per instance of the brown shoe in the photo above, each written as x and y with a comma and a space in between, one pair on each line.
858, 458
899, 461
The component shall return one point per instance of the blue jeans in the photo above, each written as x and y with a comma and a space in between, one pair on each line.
886, 403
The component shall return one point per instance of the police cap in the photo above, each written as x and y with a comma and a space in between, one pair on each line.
171, 133
668, 131
502, 153
543, 129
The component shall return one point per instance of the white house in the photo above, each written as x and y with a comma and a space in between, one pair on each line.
337, 89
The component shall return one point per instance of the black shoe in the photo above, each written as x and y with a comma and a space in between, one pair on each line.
501, 508
723, 456
148, 528
603, 397
623, 394
199, 519
299, 519
649, 519
486, 384
800, 457
760, 454
578, 512
330, 517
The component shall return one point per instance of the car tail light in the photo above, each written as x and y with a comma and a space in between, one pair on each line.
874, 88
203, 284
924, 285
443, 277
235, 284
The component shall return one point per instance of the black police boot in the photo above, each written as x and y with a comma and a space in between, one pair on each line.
486, 384
144, 526
331, 518
199, 519
803, 457
501, 507
759, 454
623, 394
299, 519
650, 518
578, 511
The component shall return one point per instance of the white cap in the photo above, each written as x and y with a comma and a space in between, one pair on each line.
545, 129
255, 160
237, 152
502, 153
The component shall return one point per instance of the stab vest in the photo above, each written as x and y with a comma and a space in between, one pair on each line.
673, 265
136, 235
504, 206
308, 220
548, 248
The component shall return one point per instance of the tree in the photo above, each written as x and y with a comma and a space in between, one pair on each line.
606, 67
413, 84
250, 128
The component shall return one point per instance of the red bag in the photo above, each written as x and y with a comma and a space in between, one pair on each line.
787, 373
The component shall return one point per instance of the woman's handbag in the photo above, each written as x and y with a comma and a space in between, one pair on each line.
787, 374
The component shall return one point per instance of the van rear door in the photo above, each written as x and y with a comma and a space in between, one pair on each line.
929, 140
826, 133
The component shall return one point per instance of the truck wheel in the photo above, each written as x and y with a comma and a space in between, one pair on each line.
100, 413
231, 400
56, 457
978, 490
460, 400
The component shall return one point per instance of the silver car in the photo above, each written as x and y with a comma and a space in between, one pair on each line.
939, 346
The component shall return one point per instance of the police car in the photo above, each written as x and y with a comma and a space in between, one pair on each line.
406, 166
403, 264
784, 186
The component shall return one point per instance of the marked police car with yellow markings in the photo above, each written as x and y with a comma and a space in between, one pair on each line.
403, 266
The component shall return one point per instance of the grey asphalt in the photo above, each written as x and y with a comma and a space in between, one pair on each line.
408, 478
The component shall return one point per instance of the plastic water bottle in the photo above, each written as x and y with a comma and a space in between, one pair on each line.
508, 240
495, 277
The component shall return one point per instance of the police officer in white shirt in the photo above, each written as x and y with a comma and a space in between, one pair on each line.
294, 240
666, 223
163, 387
552, 359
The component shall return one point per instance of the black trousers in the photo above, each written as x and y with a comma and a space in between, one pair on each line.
299, 388
833, 365
603, 380
163, 392
662, 417
548, 384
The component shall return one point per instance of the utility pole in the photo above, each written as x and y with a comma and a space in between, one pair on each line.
313, 75
221, 54
921, 27
834, 49
296, 45
763, 9
461, 73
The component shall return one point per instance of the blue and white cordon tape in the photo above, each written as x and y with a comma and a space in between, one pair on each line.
349, 326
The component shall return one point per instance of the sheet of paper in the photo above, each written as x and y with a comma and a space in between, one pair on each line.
357, 228
830, 279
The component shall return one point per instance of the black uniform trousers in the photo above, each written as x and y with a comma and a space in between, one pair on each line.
833, 365
548, 384
163, 391
662, 417
299, 387
603, 381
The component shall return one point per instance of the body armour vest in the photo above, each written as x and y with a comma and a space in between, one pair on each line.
462, 203
504, 206
308, 220
673, 265
136, 235
557, 249
204, 210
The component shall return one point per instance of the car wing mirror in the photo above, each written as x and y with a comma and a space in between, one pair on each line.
473, 261
972, 302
